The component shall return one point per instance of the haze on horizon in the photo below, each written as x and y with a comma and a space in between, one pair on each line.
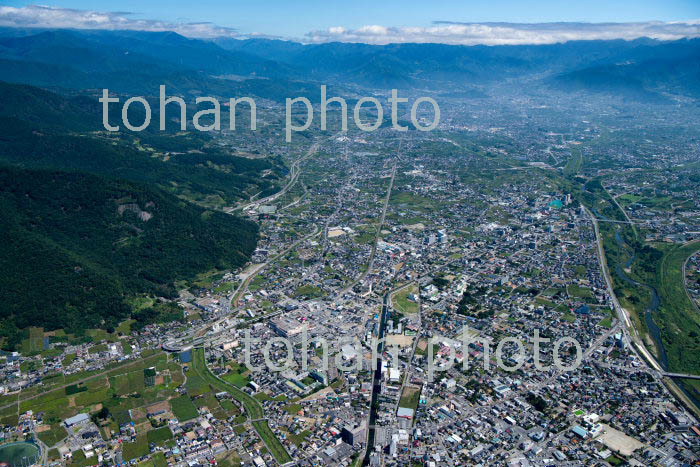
504, 22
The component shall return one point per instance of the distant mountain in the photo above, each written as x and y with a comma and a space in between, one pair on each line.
136, 62
396, 65
439, 65
613, 80
269, 49
645, 80
108, 51
74, 247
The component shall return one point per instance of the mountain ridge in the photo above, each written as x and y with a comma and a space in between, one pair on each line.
195, 66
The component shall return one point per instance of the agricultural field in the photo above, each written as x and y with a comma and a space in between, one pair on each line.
128, 383
298, 438
183, 408
136, 449
54, 435
574, 164
159, 435
309, 292
156, 460
237, 378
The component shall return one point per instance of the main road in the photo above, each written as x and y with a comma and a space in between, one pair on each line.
377, 380
373, 252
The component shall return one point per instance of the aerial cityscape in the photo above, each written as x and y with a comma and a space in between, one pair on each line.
512, 278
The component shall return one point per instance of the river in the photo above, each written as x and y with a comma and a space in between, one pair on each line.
651, 309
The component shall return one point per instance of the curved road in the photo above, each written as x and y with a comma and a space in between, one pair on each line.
295, 171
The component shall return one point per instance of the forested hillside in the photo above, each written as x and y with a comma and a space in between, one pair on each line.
41, 129
90, 219
74, 246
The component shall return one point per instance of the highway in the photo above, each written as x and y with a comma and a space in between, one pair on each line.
294, 172
621, 313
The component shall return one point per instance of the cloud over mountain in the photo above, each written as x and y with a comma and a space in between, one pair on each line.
445, 32
35, 16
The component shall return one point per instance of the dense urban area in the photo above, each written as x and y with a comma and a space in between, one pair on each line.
482, 231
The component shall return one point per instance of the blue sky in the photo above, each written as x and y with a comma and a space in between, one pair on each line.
295, 18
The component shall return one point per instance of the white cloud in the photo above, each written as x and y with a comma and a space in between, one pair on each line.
446, 32
49, 17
